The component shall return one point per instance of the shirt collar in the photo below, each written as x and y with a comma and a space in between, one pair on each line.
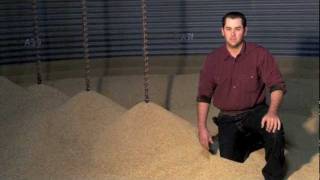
226, 55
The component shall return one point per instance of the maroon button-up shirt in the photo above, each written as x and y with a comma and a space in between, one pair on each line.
236, 84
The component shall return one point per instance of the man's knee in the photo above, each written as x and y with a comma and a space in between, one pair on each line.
274, 145
273, 137
232, 152
233, 156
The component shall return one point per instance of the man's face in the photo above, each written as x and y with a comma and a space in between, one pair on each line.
233, 32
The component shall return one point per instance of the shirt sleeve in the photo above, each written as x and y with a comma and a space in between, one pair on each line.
271, 74
206, 83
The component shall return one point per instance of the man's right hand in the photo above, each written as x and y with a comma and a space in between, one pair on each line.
204, 137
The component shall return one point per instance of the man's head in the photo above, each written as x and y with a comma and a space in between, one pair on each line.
234, 28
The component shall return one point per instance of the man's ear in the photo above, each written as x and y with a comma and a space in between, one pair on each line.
245, 31
222, 33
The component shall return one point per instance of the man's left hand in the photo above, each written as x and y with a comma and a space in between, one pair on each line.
271, 122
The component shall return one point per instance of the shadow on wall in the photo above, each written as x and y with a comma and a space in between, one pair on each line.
300, 108
302, 140
309, 46
106, 46
183, 38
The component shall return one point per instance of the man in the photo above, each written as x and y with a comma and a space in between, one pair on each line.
234, 77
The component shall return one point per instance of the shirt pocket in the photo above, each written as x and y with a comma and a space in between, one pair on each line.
248, 82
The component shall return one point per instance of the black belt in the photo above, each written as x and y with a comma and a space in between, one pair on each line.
240, 112
236, 118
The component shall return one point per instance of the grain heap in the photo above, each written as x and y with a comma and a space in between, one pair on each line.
17, 102
67, 134
18, 108
82, 140
46, 97
149, 141
13, 97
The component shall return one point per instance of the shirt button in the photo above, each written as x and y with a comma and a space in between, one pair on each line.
251, 77
233, 87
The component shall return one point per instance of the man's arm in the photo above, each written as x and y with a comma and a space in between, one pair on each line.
206, 89
272, 77
204, 136
271, 120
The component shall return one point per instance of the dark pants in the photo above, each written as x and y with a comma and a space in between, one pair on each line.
241, 134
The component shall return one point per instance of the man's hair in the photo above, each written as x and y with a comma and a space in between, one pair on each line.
234, 15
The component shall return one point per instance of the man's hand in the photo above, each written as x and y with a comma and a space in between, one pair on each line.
271, 122
204, 137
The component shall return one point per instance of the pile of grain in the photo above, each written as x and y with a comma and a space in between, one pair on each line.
13, 98
84, 139
20, 103
43, 135
17, 110
47, 97
67, 134
149, 141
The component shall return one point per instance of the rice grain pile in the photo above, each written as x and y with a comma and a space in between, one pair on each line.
67, 134
149, 141
46, 135
47, 98
13, 98
18, 108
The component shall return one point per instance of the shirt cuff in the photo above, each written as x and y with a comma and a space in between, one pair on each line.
205, 99
281, 87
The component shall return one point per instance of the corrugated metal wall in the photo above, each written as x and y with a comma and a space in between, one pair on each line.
59, 30
15, 30
115, 28
287, 27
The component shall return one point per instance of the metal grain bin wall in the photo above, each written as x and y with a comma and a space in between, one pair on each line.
288, 27
59, 24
